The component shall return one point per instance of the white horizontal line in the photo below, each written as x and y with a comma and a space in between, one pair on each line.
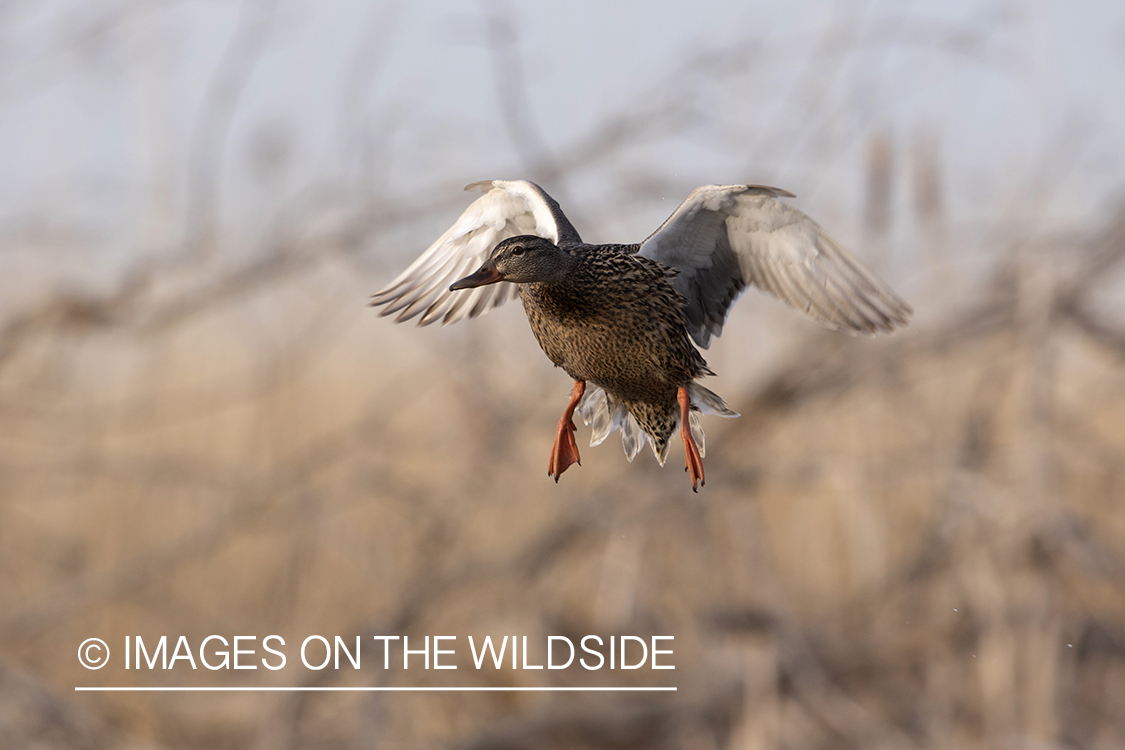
314, 689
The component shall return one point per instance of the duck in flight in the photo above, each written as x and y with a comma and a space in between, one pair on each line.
623, 318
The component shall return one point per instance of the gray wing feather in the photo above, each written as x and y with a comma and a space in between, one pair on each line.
724, 238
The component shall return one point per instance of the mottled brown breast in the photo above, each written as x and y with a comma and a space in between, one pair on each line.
616, 322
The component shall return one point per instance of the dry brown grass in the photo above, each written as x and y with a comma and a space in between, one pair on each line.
909, 542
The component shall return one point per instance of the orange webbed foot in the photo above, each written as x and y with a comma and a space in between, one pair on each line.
693, 462
564, 452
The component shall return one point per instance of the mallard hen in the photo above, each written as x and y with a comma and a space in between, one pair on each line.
623, 317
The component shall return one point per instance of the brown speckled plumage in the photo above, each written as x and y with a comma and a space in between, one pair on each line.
624, 317
616, 321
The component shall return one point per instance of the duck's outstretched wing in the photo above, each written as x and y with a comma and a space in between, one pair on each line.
724, 238
507, 209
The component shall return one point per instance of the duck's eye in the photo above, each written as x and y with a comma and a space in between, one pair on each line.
518, 250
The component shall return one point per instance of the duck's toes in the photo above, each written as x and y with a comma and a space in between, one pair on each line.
694, 467
565, 450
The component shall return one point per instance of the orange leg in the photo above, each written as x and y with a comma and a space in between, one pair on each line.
565, 451
692, 460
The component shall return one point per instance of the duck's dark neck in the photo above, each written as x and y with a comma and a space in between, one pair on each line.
573, 293
565, 268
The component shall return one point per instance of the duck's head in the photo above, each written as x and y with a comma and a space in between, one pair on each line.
522, 260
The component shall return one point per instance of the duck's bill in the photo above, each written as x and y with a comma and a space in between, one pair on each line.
486, 275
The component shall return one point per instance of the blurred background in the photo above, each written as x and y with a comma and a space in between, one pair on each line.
914, 541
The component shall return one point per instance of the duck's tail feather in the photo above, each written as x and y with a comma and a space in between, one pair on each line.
605, 413
709, 402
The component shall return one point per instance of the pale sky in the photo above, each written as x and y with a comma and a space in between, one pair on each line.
101, 101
